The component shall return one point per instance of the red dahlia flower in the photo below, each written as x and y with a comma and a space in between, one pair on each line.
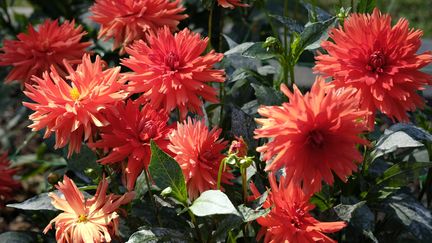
128, 137
231, 3
72, 108
289, 219
35, 52
129, 20
379, 60
86, 220
313, 135
199, 153
171, 71
7, 184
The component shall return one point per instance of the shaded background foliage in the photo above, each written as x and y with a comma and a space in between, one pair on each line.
389, 199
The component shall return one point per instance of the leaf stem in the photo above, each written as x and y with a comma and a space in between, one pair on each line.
196, 226
292, 74
219, 178
244, 183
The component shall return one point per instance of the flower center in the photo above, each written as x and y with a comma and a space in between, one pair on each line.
149, 131
376, 62
297, 219
74, 93
315, 139
172, 60
82, 218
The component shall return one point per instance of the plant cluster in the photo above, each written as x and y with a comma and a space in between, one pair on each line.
152, 126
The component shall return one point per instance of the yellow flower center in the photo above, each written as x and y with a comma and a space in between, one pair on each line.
82, 218
74, 93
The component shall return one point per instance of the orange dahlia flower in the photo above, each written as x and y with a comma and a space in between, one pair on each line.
7, 183
313, 135
86, 220
35, 52
72, 108
128, 137
199, 153
289, 219
231, 3
379, 60
171, 71
129, 20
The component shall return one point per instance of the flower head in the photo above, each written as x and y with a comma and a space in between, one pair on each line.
171, 71
86, 220
130, 20
199, 154
231, 3
238, 147
35, 52
313, 135
289, 219
128, 137
379, 60
7, 184
73, 110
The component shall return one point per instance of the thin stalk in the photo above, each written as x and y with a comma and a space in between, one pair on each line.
292, 74
243, 172
25, 143
219, 178
244, 183
152, 198
196, 226
210, 28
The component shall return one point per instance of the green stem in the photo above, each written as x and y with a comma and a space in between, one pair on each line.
152, 198
210, 28
292, 75
219, 178
24, 144
244, 183
244, 187
196, 226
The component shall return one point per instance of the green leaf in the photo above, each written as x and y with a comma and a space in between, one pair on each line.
258, 51
239, 49
267, 95
16, 237
291, 24
140, 186
85, 163
391, 141
250, 214
166, 172
366, 6
415, 132
40, 202
311, 37
212, 202
401, 173
229, 223
412, 215
158, 235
